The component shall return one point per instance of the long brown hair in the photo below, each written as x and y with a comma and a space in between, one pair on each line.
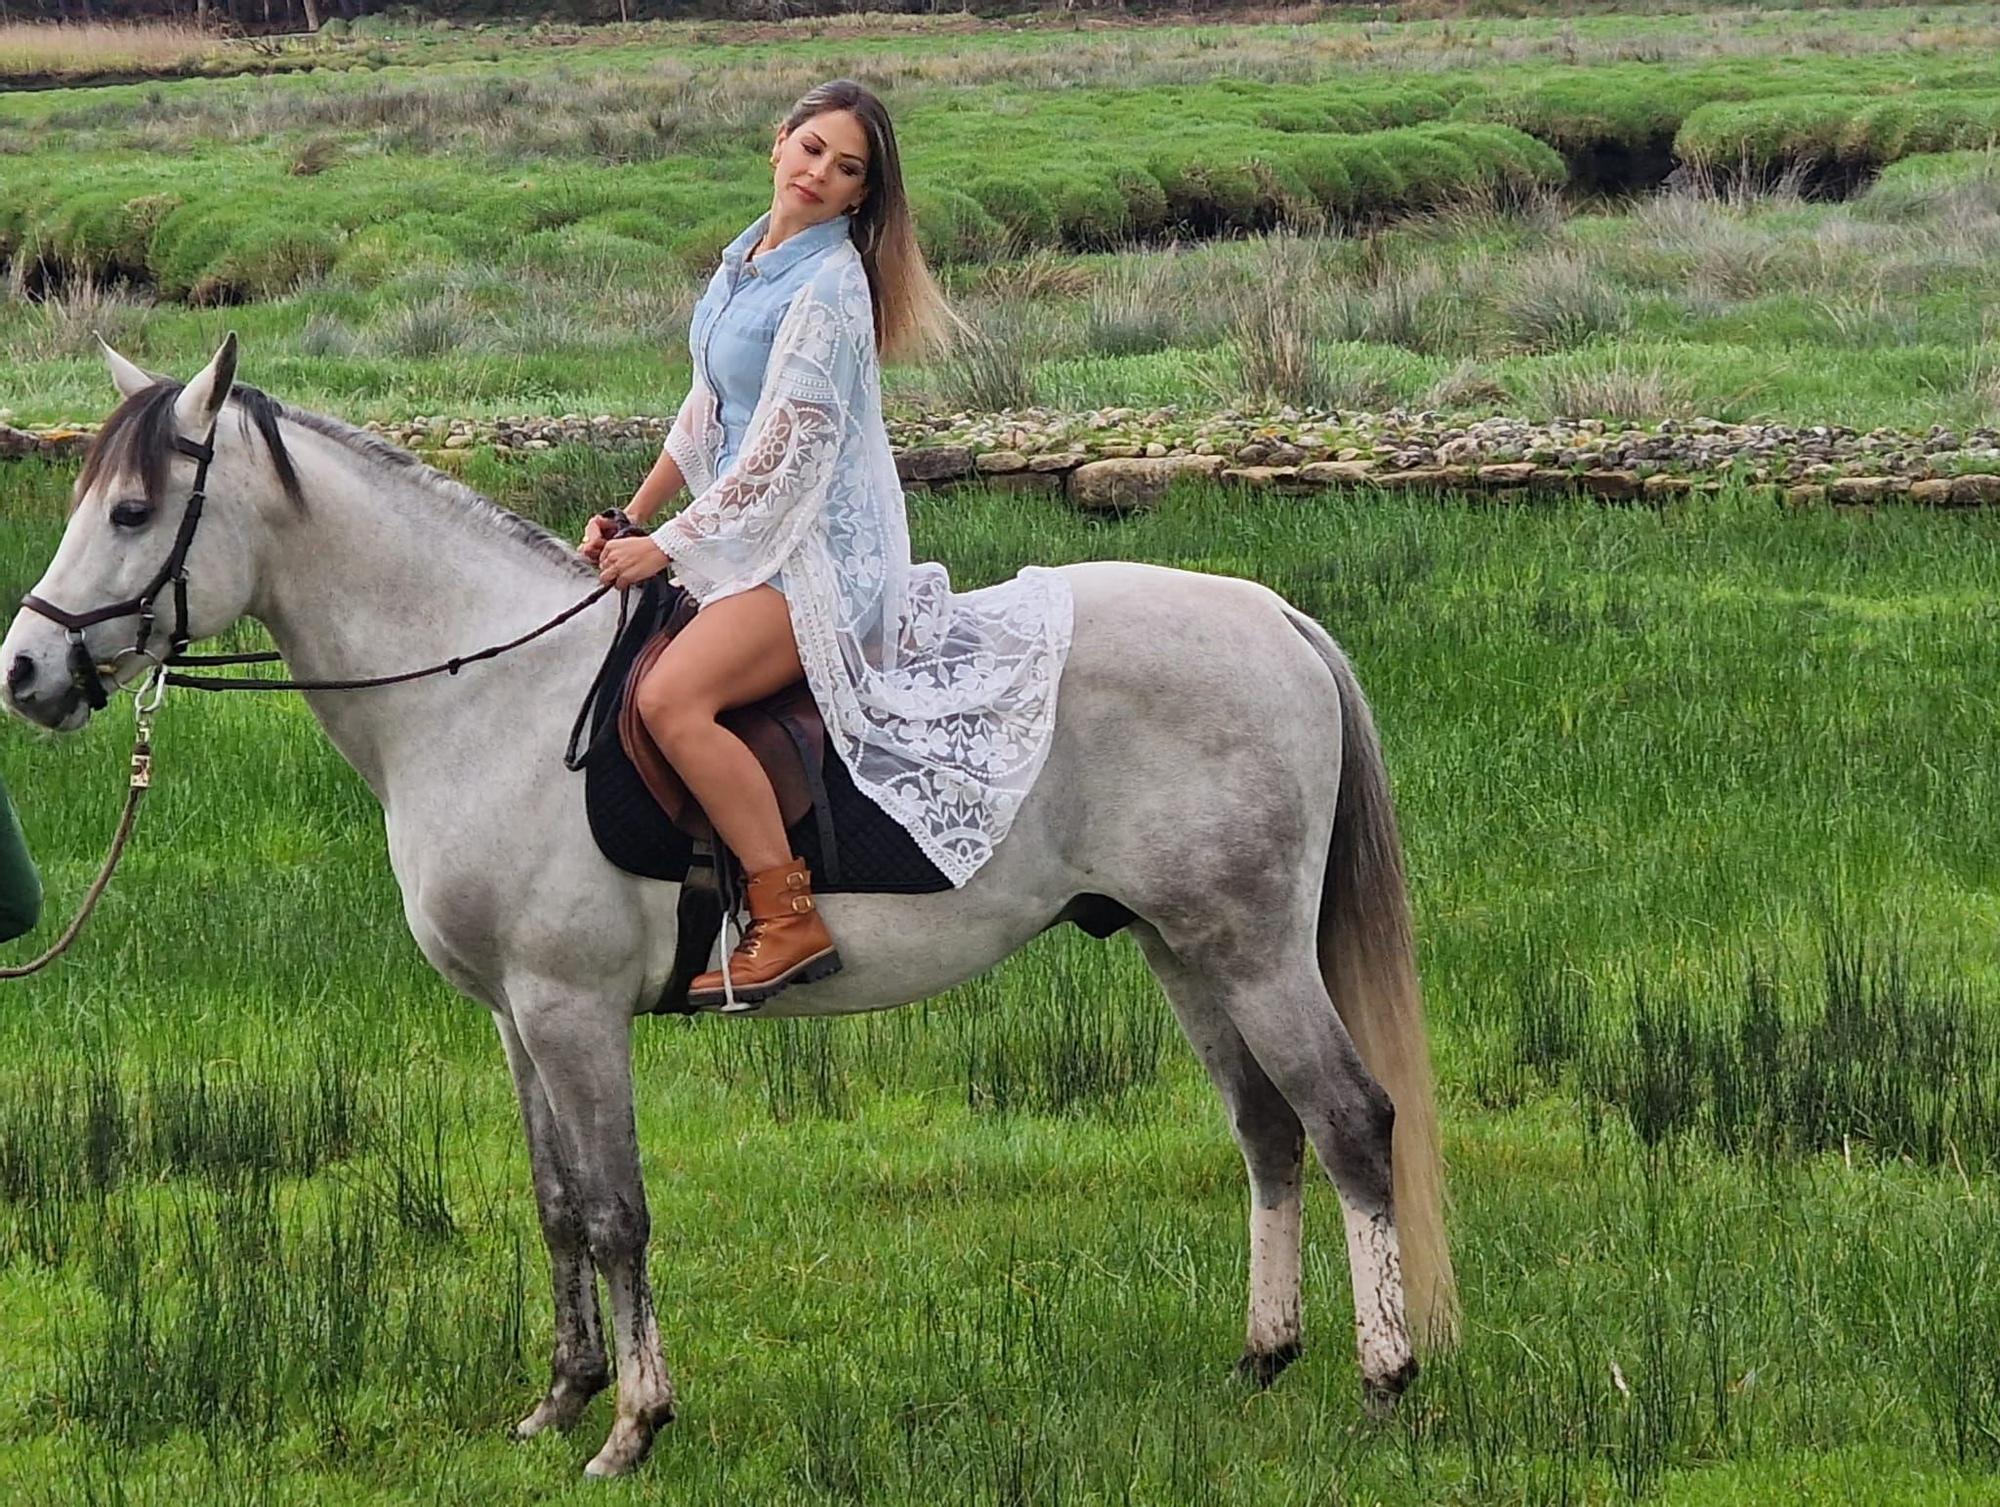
911, 316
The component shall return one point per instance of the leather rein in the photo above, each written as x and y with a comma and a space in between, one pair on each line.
87, 674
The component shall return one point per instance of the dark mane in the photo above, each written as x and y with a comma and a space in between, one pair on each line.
139, 435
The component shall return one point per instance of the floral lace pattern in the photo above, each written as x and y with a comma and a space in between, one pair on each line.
941, 703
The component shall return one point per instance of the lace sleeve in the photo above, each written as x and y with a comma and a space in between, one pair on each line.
739, 532
695, 439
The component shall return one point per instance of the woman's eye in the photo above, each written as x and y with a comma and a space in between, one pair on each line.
131, 515
811, 150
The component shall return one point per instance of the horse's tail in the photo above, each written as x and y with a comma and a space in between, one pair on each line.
1368, 959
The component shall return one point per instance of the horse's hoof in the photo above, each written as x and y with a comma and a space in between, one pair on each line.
561, 1410
1379, 1395
626, 1450
1261, 1367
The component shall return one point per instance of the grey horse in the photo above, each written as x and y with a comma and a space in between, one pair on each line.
1215, 771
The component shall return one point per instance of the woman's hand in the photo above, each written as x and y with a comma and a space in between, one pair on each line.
595, 533
627, 562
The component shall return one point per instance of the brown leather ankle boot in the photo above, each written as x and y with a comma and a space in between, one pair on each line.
786, 942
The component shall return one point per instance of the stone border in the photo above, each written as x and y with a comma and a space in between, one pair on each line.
1109, 472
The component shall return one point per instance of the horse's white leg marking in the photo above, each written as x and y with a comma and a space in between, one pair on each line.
578, 1368
1273, 1145
1375, 1265
582, 1050
1275, 1240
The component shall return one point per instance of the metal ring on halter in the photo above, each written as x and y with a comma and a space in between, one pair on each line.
116, 662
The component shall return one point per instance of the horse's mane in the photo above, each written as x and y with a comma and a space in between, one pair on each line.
430, 480
139, 436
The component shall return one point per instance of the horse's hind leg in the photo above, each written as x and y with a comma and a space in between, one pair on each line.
1288, 1021
1273, 1145
1278, 1003
578, 1369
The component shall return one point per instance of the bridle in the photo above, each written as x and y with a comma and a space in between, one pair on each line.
85, 673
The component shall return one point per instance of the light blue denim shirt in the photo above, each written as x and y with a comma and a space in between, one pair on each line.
731, 332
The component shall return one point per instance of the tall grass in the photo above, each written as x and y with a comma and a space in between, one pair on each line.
100, 46
266, 1228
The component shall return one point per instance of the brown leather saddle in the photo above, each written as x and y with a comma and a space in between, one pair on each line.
784, 731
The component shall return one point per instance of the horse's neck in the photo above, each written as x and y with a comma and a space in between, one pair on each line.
377, 576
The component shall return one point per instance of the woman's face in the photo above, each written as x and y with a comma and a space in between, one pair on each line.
821, 169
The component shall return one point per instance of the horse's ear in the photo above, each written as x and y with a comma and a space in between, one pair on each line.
196, 407
126, 377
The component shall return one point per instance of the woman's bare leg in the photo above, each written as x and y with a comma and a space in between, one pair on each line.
736, 651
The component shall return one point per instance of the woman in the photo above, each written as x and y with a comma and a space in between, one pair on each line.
796, 546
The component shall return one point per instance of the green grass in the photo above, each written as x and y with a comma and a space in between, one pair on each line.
650, 151
265, 1224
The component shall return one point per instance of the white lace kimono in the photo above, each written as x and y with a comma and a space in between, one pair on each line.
941, 704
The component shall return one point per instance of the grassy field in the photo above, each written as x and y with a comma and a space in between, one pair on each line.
1697, 813
1429, 201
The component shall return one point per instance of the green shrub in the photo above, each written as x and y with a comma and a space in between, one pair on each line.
1020, 207
1146, 208
952, 227
1090, 212
106, 234
1768, 136
1321, 167
207, 255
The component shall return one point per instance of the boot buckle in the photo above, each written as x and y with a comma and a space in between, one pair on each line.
801, 904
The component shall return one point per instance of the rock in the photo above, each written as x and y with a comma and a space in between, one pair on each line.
459, 441
1021, 481
1805, 497
1975, 491
1508, 474
934, 463
15, 443
1614, 486
1661, 488
1934, 492
1277, 478
1117, 485
1155, 450
1855, 491
1252, 454
1067, 460
1418, 479
1119, 452
1337, 473
997, 462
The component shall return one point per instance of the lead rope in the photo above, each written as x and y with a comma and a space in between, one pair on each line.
135, 793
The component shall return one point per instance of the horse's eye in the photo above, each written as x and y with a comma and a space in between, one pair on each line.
132, 514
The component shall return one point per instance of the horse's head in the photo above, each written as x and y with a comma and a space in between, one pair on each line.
138, 550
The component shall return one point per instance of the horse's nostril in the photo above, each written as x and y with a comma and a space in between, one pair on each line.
21, 673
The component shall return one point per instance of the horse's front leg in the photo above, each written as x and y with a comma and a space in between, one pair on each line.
581, 1048
578, 1369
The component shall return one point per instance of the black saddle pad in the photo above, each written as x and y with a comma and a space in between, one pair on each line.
876, 855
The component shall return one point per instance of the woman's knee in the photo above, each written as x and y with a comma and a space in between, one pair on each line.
670, 712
